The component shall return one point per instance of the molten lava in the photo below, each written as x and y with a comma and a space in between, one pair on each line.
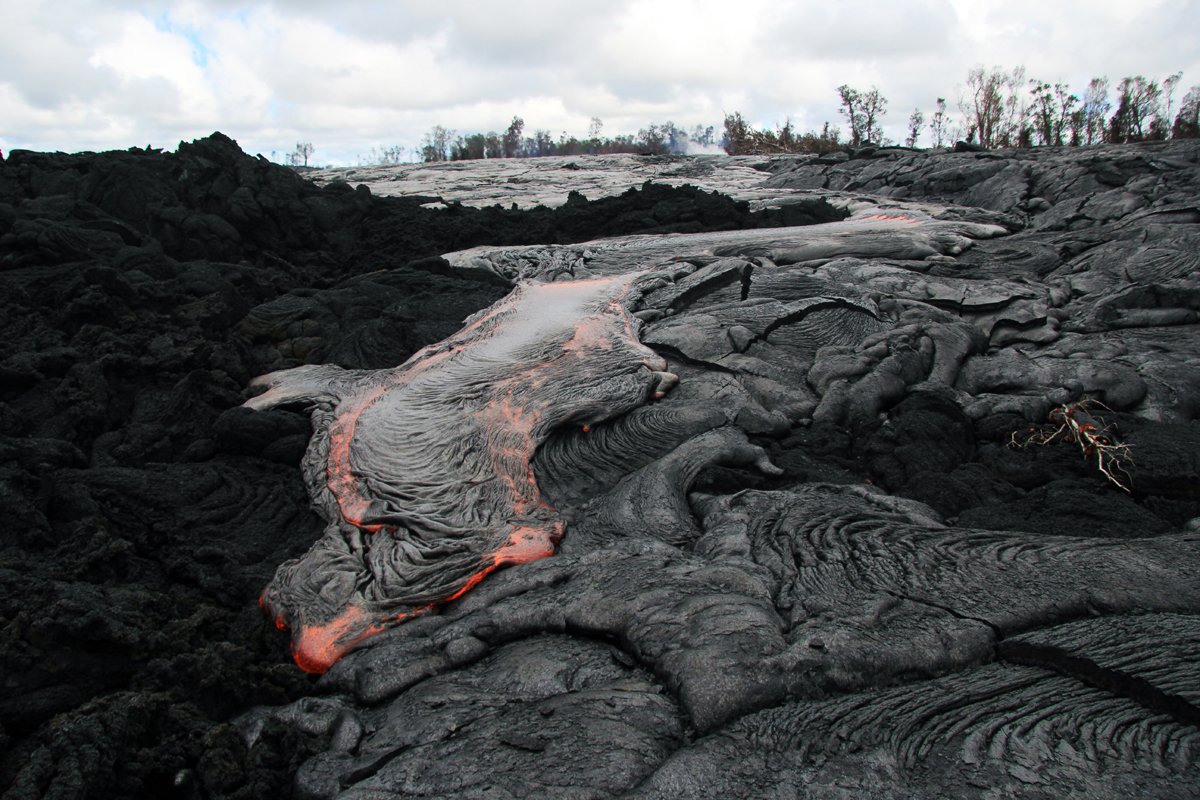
423, 471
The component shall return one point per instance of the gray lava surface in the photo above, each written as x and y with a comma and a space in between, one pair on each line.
875, 476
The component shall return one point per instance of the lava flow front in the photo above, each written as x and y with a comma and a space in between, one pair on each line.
423, 471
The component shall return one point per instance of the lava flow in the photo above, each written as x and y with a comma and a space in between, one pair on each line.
423, 471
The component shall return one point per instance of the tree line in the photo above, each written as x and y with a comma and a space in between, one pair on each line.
440, 144
998, 108
1007, 109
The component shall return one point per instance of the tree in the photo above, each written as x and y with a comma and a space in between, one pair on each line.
469, 147
1187, 124
677, 138
512, 138
786, 136
1065, 103
1014, 121
435, 145
994, 107
916, 121
299, 156
1168, 88
1051, 110
594, 128
736, 138
543, 143
825, 141
570, 146
494, 146
384, 157
938, 124
864, 111
741, 139
874, 106
1078, 127
1138, 102
983, 103
851, 110
1095, 110
1043, 111
653, 139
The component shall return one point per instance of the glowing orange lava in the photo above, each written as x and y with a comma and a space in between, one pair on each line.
436, 454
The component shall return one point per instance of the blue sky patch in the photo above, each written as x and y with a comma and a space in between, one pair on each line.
200, 51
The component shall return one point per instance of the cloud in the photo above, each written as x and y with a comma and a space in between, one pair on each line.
46, 62
870, 30
157, 71
84, 74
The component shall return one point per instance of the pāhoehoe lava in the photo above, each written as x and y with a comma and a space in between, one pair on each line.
423, 471
428, 475
841, 556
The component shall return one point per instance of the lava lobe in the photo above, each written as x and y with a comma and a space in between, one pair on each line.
423, 471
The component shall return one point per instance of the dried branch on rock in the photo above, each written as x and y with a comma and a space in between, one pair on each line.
1094, 438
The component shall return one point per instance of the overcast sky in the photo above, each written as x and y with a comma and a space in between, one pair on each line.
356, 74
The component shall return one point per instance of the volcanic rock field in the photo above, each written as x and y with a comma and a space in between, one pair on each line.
873, 474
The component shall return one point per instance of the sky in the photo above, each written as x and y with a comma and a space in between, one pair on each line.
358, 75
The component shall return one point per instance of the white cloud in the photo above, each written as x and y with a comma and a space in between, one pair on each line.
869, 31
158, 77
78, 74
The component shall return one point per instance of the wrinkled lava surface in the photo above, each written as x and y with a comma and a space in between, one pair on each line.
826, 562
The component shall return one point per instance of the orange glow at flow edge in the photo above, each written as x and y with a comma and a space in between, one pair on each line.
317, 649
524, 544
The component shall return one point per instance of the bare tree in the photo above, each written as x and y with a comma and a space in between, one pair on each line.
1138, 102
1095, 110
851, 110
916, 121
594, 128
1168, 89
864, 111
1065, 103
435, 145
993, 106
1012, 130
1051, 110
299, 156
1187, 124
384, 156
703, 136
983, 103
938, 124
